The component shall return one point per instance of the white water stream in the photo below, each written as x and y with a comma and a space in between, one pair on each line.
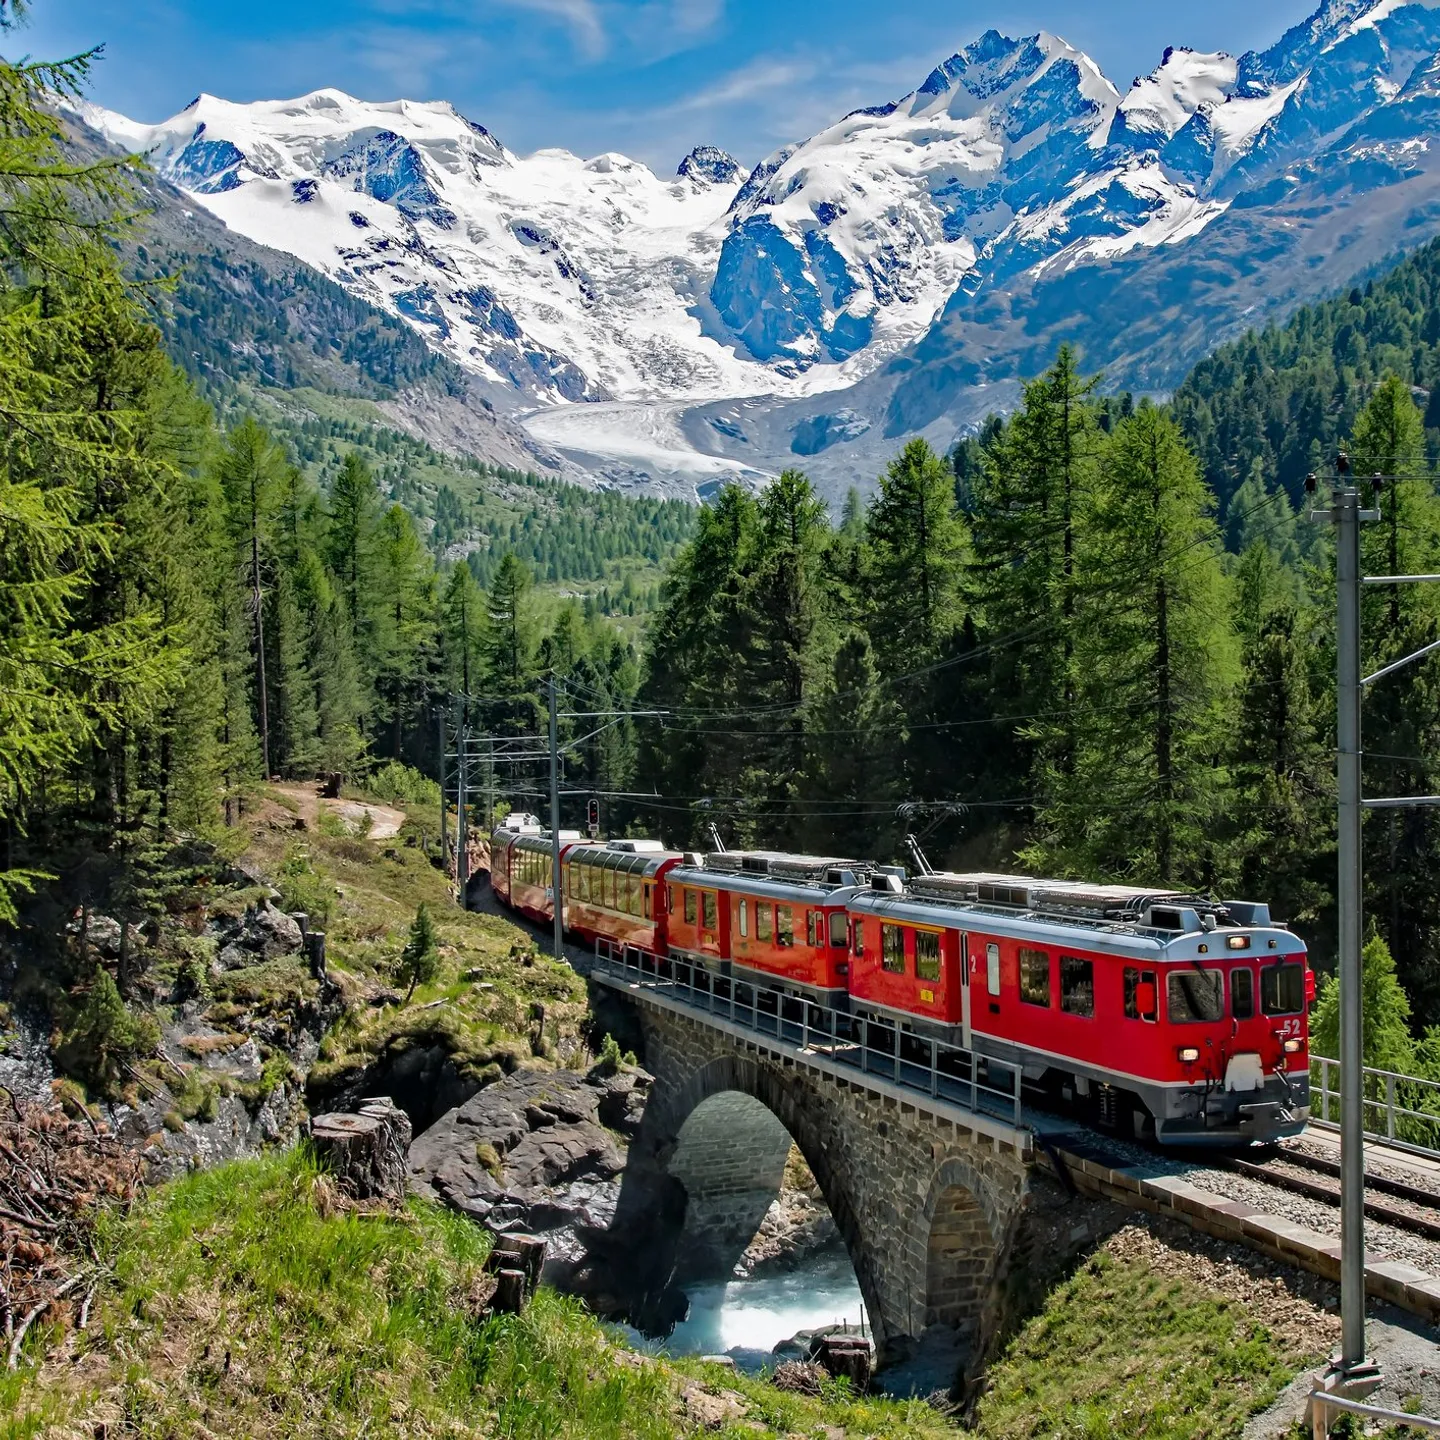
746, 1319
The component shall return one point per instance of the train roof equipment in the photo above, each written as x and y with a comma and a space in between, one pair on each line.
1130, 908
813, 870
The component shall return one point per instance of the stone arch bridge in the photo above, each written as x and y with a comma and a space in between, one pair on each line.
927, 1194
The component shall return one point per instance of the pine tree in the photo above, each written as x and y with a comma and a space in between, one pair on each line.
1402, 712
1036, 485
350, 542
420, 959
404, 609
1154, 662
916, 549
251, 467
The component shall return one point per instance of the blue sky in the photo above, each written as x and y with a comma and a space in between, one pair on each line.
647, 77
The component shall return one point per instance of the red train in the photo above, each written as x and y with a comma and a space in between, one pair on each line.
1181, 1016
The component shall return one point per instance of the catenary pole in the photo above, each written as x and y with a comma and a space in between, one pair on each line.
559, 902
440, 761
462, 833
1346, 514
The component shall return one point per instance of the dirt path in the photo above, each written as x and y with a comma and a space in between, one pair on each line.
385, 822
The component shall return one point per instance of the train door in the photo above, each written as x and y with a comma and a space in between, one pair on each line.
965, 989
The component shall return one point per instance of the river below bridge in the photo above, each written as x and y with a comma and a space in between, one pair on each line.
747, 1318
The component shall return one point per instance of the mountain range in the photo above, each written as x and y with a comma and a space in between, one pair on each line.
899, 272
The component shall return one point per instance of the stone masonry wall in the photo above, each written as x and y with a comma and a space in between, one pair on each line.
927, 1207
730, 1156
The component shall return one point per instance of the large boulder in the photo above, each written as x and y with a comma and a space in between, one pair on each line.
534, 1151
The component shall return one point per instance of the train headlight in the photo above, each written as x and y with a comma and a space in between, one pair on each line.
1294, 1047
1188, 1054
1237, 942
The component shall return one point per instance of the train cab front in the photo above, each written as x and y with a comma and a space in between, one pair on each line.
1232, 1009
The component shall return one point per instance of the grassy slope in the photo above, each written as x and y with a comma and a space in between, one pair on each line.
244, 1304
491, 975
1121, 1349
241, 1308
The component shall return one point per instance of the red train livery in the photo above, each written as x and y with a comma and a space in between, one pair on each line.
762, 916
1180, 1015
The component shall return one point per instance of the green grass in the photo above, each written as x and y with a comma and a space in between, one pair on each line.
1122, 1350
241, 1307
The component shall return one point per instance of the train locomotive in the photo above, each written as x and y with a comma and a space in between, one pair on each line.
1167, 1015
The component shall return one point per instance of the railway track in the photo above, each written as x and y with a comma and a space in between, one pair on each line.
1405, 1206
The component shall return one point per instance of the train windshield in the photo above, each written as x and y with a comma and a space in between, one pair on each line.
1282, 989
1195, 996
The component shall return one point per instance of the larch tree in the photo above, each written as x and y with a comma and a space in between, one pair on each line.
1140, 792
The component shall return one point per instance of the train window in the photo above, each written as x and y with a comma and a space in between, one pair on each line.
892, 949
837, 929
669, 899
1139, 994
744, 917
691, 907
648, 903
992, 968
1282, 989
1077, 985
609, 882
1035, 976
927, 955
814, 928
710, 909
1194, 997
784, 925
1242, 993
859, 937
762, 923
637, 885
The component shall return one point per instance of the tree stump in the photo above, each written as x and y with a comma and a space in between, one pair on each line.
525, 1253
847, 1357
367, 1152
510, 1293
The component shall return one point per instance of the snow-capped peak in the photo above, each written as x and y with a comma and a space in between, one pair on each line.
1298, 48
711, 165
995, 68
1160, 104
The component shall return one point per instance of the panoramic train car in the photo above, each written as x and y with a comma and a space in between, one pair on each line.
1191, 1015
616, 891
521, 861
788, 923
502, 841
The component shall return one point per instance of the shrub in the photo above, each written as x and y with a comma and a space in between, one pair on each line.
302, 890
395, 784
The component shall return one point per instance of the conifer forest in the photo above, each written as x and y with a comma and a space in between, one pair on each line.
1096, 640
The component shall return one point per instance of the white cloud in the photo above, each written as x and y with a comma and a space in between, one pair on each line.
581, 17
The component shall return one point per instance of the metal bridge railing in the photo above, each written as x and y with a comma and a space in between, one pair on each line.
1322, 1404
1398, 1108
914, 1062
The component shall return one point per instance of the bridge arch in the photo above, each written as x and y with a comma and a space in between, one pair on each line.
926, 1201
964, 1238
724, 1135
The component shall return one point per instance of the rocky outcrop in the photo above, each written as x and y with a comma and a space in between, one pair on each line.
539, 1151
261, 932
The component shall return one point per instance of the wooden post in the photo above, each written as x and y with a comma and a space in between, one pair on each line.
510, 1295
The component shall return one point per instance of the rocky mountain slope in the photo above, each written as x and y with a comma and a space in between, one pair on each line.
899, 271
